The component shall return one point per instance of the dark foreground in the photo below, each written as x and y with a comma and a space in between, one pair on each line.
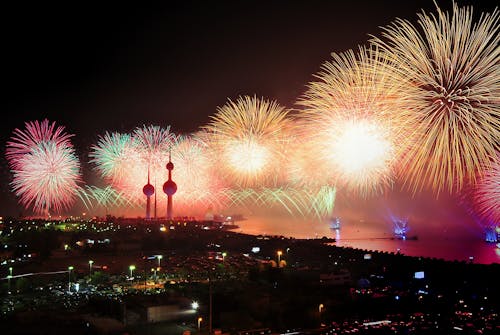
268, 284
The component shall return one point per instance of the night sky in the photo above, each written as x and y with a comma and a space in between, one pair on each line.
95, 67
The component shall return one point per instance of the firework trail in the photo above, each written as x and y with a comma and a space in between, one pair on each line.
45, 167
353, 136
106, 197
305, 202
250, 138
451, 65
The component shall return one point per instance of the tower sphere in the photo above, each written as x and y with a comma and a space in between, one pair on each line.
148, 190
170, 166
169, 187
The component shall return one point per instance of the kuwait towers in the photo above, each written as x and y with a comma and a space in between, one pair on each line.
169, 187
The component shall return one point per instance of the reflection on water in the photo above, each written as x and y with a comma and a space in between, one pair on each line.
449, 244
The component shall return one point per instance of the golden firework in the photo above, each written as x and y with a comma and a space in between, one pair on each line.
249, 138
349, 120
452, 64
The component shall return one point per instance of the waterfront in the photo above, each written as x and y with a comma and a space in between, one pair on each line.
377, 235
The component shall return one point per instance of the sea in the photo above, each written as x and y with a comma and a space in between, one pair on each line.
443, 241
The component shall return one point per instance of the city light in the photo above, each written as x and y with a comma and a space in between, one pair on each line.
10, 276
154, 270
195, 305
70, 268
159, 260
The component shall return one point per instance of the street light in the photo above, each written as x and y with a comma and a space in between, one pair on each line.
154, 271
224, 254
279, 256
70, 268
320, 308
131, 268
9, 276
199, 322
90, 267
195, 305
159, 260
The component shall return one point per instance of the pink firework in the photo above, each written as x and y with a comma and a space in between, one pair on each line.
45, 167
22, 141
199, 187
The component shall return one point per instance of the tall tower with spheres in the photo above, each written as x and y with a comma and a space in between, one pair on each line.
169, 187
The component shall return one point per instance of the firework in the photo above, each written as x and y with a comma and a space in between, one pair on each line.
250, 139
305, 202
198, 186
111, 155
352, 135
487, 194
106, 197
453, 91
22, 141
45, 167
153, 142
125, 159
121, 163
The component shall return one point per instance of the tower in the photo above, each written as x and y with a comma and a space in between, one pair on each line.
169, 187
148, 191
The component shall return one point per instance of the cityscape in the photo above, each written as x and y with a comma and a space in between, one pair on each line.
251, 168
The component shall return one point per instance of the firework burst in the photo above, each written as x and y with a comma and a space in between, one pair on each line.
115, 157
487, 194
352, 134
198, 186
45, 167
123, 161
452, 69
250, 137
153, 142
22, 141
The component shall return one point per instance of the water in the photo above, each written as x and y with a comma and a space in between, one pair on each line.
447, 241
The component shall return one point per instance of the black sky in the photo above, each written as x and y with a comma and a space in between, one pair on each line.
114, 66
